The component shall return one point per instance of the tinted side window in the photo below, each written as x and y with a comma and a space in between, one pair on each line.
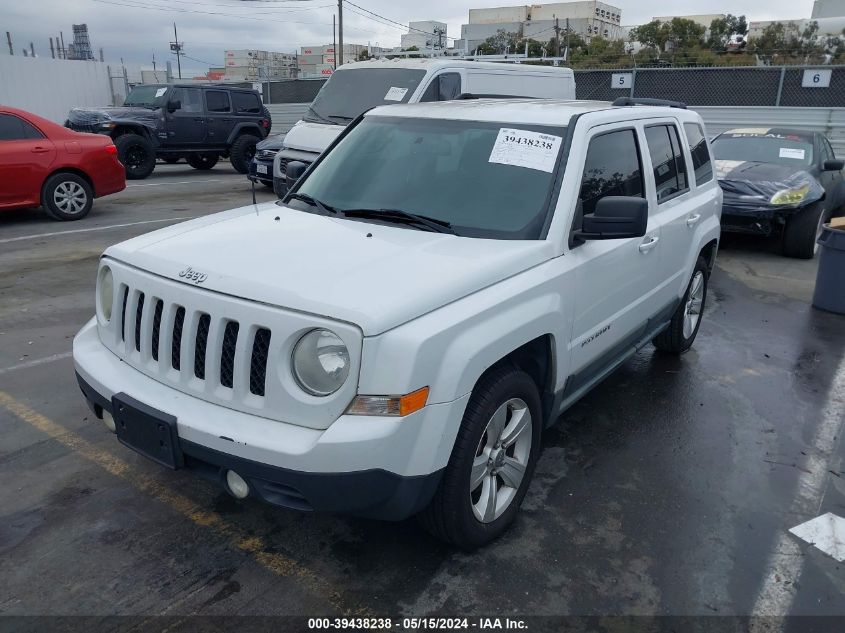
246, 102
701, 165
217, 101
612, 168
190, 98
666, 160
14, 129
449, 86
444, 87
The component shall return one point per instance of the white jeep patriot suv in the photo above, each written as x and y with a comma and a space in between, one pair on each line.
393, 336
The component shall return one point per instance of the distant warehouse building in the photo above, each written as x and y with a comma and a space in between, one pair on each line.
587, 19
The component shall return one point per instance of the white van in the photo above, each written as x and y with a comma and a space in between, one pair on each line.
356, 87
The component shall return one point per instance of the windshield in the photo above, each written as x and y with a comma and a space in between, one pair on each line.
348, 93
782, 149
147, 96
489, 180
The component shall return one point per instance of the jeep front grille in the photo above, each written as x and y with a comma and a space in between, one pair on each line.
150, 328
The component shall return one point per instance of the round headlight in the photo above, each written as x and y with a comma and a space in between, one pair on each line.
105, 292
320, 362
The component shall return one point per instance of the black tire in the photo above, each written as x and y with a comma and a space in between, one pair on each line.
202, 161
673, 339
137, 155
801, 232
450, 514
242, 151
67, 196
171, 160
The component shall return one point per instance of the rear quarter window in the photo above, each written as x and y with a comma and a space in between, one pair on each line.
701, 164
246, 103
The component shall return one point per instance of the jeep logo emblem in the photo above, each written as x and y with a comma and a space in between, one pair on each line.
193, 275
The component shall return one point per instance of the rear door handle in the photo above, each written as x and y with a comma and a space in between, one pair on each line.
645, 247
693, 219
40, 150
199, 120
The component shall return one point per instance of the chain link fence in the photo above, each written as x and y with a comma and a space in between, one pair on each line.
802, 86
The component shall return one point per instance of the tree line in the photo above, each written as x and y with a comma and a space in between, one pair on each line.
681, 42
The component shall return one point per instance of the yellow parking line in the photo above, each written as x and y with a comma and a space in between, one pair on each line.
255, 546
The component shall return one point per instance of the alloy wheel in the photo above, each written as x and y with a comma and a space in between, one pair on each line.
695, 301
501, 460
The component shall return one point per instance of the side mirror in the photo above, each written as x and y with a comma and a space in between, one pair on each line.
293, 172
614, 218
172, 106
833, 165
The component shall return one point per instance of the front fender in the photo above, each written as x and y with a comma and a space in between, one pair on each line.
450, 348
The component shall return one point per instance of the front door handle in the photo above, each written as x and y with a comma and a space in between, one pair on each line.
645, 247
199, 120
693, 219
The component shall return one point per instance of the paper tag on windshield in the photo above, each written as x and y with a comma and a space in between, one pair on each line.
395, 94
522, 148
160, 92
787, 152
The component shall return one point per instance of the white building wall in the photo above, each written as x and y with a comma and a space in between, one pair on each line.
828, 9
498, 14
51, 87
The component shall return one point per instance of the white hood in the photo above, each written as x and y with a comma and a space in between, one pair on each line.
329, 266
312, 137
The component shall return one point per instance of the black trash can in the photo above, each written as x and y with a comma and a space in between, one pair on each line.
830, 278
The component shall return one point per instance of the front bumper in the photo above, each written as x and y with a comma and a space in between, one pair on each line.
386, 468
265, 178
760, 221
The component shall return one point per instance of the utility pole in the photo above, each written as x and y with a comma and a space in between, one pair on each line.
338, 50
334, 42
557, 37
176, 47
9, 40
52, 50
32, 49
64, 50
567, 38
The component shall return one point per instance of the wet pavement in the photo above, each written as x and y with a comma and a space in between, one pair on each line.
668, 490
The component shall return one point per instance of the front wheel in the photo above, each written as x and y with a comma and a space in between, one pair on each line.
802, 231
683, 328
202, 161
492, 461
242, 151
137, 155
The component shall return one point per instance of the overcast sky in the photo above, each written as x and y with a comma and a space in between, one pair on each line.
135, 29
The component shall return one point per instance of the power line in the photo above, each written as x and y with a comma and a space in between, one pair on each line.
137, 5
394, 22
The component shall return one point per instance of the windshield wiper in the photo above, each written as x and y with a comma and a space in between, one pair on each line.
312, 201
401, 217
340, 116
320, 117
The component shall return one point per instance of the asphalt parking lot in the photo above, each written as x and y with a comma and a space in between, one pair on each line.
668, 490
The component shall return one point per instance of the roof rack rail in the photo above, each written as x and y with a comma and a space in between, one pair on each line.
471, 95
632, 101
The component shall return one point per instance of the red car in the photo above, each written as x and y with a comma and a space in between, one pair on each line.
42, 163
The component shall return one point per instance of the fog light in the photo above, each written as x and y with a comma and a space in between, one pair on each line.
237, 485
108, 420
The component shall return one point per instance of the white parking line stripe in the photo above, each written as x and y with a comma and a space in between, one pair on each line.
786, 560
93, 228
37, 361
178, 182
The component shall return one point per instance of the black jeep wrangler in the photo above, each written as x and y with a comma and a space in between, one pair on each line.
199, 123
